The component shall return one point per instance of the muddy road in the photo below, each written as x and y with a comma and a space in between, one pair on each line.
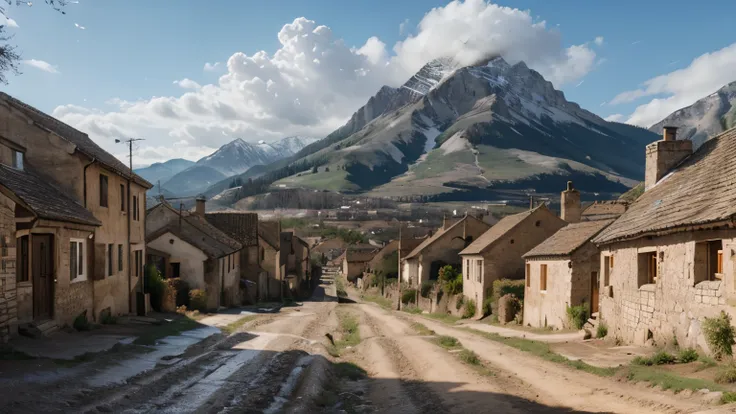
325, 357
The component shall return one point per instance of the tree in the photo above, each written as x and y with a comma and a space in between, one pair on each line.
9, 57
314, 170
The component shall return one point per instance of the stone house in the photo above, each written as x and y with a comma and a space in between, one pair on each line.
425, 261
497, 253
407, 244
562, 271
355, 262
71, 224
384, 256
668, 261
285, 259
197, 252
242, 227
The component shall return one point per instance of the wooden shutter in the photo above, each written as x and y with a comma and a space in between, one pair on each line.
98, 260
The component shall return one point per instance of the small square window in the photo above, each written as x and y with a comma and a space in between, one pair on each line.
17, 160
647, 268
543, 277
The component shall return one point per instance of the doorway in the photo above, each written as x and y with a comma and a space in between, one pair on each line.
594, 289
43, 276
175, 269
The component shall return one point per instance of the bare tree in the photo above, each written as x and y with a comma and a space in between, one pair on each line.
9, 57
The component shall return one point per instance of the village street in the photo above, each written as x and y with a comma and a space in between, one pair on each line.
285, 363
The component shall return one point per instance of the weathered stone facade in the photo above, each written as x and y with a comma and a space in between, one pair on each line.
682, 296
8, 291
662, 156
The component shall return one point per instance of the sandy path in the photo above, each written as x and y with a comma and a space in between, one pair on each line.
558, 386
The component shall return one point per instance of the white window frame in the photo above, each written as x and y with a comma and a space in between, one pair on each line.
18, 160
81, 247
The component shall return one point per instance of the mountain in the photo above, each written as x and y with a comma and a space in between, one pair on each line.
163, 171
458, 132
705, 118
231, 159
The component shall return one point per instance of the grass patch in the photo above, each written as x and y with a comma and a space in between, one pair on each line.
379, 300
173, 328
687, 355
340, 287
542, 350
667, 380
469, 357
350, 371
411, 309
728, 397
706, 362
234, 326
448, 342
443, 317
727, 374
421, 329
349, 334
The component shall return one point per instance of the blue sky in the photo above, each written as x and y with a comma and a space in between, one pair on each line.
134, 50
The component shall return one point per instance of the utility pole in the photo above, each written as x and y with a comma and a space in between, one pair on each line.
130, 142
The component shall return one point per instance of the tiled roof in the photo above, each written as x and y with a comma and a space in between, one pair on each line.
428, 241
499, 229
241, 226
603, 210
43, 197
390, 248
83, 143
269, 232
197, 232
360, 255
569, 238
700, 191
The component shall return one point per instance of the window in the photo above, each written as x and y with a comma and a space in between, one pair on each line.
228, 263
467, 269
647, 267
22, 259
122, 197
135, 208
120, 257
607, 264
543, 277
77, 271
103, 190
708, 261
528, 275
138, 261
611, 261
17, 160
478, 270
110, 247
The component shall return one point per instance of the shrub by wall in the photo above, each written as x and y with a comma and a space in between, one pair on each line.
504, 287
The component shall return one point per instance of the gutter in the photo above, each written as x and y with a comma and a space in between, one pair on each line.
84, 179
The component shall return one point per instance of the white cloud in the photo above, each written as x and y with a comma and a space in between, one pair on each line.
40, 64
615, 118
672, 91
580, 83
79, 27
8, 22
598, 41
403, 27
212, 67
187, 84
314, 82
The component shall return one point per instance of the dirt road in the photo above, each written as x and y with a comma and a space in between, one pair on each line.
286, 362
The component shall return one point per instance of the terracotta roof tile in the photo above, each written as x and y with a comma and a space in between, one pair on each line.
240, 226
499, 229
702, 190
360, 255
569, 238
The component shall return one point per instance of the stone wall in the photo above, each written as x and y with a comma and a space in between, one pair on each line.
676, 305
8, 291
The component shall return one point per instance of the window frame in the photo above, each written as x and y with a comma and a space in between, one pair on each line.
528, 275
122, 198
104, 191
18, 156
110, 258
81, 256
543, 277
120, 257
24, 267
479, 270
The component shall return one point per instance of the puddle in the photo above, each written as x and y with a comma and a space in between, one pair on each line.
166, 347
289, 385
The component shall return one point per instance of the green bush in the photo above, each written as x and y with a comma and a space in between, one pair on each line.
577, 315
408, 296
726, 375
155, 286
719, 334
412, 309
81, 323
663, 358
451, 279
182, 291
469, 310
198, 299
459, 302
427, 288
602, 330
640, 360
487, 307
448, 341
503, 287
687, 355
469, 357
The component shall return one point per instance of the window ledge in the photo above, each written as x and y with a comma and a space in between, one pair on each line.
79, 279
709, 284
544, 292
649, 287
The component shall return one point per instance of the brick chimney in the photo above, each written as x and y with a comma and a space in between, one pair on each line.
665, 154
199, 206
570, 204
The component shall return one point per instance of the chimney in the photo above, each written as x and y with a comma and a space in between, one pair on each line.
663, 155
570, 204
199, 207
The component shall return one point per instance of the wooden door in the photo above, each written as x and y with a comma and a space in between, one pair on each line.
594, 289
43, 276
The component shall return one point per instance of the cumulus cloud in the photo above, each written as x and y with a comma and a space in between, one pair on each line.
314, 82
8, 22
187, 83
41, 64
403, 27
615, 118
598, 41
672, 91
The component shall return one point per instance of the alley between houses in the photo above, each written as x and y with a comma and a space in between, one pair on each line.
301, 360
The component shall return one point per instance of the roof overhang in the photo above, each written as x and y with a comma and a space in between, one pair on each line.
712, 225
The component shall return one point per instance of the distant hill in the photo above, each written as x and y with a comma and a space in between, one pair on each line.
163, 171
463, 130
